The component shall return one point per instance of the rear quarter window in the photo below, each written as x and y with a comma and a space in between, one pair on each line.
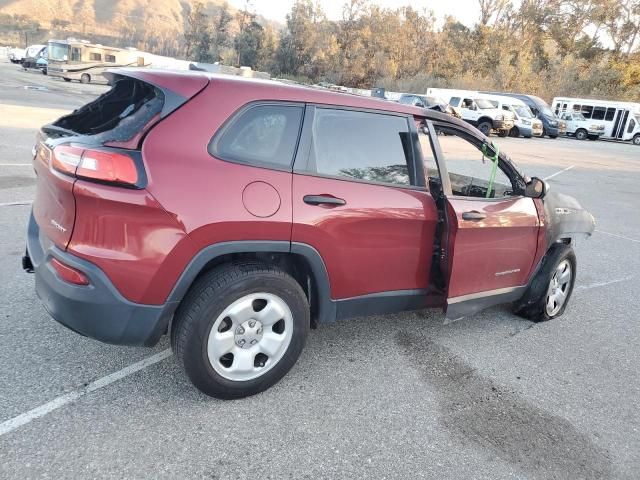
261, 135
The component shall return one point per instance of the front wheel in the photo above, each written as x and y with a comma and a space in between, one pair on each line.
485, 128
240, 329
85, 78
581, 134
549, 291
503, 133
514, 132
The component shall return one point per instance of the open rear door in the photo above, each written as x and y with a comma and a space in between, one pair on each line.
491, 236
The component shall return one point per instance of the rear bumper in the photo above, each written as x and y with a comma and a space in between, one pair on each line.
98, 310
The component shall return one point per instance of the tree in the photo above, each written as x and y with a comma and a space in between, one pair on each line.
197, 35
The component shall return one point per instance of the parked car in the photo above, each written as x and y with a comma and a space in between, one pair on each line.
552, 125
16, 55
41, 64
525, 123
237, 228
433, 103
477, 111
581, 128
32, 54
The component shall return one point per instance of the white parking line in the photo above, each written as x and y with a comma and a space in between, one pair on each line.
42, 410
558, 173
11, 204
603, 284
618, 236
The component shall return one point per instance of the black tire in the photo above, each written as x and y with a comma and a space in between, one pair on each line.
485, 128
514, 132
553, 136
503, 133
210, 295
533, 304
67, 79
581, 134
85, 78
636, 139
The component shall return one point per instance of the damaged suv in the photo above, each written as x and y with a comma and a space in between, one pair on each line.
234, 214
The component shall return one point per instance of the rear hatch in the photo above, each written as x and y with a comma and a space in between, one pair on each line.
101, 142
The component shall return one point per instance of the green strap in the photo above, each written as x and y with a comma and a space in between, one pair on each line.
494, 167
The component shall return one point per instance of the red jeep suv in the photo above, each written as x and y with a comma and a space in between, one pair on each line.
234, 214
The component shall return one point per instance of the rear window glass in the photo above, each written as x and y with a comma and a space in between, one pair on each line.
262, 135
117, 115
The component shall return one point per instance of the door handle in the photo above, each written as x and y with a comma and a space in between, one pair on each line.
474, 215
323, 200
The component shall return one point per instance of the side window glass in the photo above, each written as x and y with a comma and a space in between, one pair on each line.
95, 56
611, 112
361, 145
454, 101
598, 113
587, 111
262, 135
470, 171
632, 126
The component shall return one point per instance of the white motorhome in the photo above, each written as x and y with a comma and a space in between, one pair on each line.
79, 60
621, 120
526, 123
476, 110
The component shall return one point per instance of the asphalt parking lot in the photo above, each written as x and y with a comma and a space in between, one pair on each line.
491, 396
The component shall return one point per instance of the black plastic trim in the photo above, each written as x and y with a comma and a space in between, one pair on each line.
382, 303
458, 307
97, 310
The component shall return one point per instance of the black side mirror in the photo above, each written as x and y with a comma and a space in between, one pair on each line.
536, 188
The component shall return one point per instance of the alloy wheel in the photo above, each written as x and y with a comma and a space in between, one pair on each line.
558, 288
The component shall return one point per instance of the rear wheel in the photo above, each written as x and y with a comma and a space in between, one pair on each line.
636, 139
581, 134
485, 128
550, 290
503, 133
85, 78
240, 329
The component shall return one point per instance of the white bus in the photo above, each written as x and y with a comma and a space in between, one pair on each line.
80, 60
621, 120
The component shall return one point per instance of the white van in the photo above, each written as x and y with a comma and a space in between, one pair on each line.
525, 122
621, 120
476, 110
580, 127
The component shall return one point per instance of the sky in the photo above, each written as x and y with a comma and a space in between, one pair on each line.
467, 11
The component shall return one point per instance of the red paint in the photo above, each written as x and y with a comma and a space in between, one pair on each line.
261, 199
54, 205
504, 243
381, 240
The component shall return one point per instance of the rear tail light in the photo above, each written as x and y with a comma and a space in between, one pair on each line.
101, 165
68, 274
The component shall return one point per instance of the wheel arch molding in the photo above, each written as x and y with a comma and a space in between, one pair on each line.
314, 278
